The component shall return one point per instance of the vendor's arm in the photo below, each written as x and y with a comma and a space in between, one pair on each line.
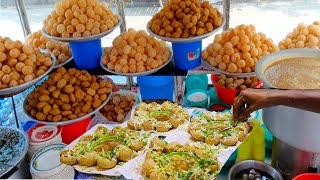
261, 98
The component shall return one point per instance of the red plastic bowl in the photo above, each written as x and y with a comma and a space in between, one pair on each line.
226, 95
72, 131
307, 176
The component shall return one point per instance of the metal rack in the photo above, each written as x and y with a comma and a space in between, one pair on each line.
120, 5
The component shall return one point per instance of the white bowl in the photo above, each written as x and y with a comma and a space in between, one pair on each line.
41, 169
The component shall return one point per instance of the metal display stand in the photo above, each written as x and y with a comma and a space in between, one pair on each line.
180, 76
179, 79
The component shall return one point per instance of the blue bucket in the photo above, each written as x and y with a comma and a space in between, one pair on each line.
156, 87
187, 55
87, 54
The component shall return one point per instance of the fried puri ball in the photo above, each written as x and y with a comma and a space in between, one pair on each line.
157, 143
102, 131
156, 175
162, 127
147, 126
133, 126
106, 163
238, 83
242, 136
136, 145
189, 148
175, 121
61, 50
147, 166
88, 159
238, 49
75, 19
64, 100
126, 154
185, 19
229, 141
143, 53
172, 146
12, 71
212, 140
197, 135
67, 158
118, 107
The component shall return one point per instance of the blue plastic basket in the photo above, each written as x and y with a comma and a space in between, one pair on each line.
87, 54
187, 55
156, 87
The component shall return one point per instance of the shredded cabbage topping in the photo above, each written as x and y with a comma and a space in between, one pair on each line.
155, 114
190, 161
218, 129
106, 144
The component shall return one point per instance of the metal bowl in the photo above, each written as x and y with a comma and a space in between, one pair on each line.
7, 92
284, 122
192, 39
61, 123
63, 63
217, 70
252, 164
22, 154
137, 74
268, 60
81, 39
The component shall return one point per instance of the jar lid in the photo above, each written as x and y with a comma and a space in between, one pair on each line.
46, 161
41, 133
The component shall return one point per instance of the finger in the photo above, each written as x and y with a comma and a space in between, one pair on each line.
238, 103
247, 112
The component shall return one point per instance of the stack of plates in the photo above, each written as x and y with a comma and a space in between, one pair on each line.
41, 136
45, 164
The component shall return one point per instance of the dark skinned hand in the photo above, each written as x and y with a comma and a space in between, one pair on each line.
250, 100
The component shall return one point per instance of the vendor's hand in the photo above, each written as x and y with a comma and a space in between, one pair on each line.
250, 100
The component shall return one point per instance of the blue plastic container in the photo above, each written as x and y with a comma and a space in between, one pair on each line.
87, 54
201, 104
156, 87
199, 81
187, 55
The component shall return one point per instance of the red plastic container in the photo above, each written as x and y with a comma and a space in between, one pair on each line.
307, 176
226, 95
73, 131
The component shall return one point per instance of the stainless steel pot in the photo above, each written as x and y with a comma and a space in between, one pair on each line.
252, 164
296, 127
